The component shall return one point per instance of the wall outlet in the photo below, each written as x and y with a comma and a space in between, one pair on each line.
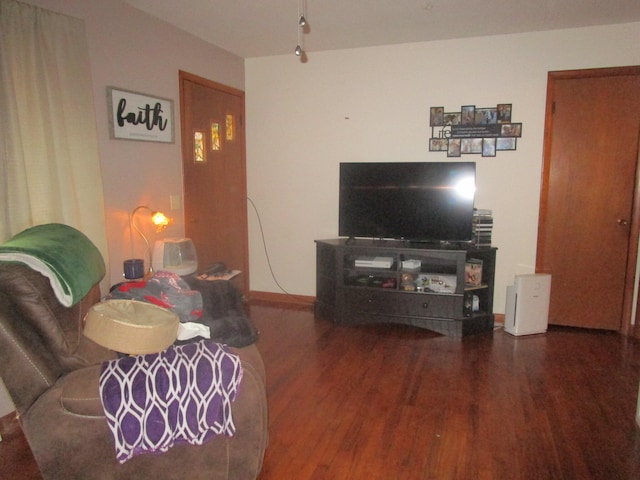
175, 201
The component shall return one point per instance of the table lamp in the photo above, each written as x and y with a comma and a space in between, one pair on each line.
160, 220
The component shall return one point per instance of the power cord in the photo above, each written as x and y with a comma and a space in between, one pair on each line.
266, 253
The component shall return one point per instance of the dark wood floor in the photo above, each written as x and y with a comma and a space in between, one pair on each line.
395, 402
383, 402
16, 461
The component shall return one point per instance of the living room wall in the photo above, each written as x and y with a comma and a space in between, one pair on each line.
372, 104
134, 51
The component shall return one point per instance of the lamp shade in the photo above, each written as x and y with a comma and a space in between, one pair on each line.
176, 255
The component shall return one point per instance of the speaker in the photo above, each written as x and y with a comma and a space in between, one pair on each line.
527, 309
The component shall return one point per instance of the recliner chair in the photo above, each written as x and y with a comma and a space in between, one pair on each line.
51, 372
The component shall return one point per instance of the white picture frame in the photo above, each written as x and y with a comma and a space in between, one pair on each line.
138, 116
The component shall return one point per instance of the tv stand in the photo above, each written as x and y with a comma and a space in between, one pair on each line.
404, 282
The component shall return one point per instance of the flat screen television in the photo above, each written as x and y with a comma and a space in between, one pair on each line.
417, 201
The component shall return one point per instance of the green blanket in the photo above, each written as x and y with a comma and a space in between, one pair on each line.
64, 255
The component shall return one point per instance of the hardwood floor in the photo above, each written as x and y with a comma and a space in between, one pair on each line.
395, 402
16, 461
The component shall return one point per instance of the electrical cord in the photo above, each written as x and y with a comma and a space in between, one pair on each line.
266, 253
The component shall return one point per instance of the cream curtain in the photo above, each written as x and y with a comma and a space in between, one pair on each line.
49, 164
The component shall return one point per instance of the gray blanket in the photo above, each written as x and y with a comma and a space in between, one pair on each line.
216, 304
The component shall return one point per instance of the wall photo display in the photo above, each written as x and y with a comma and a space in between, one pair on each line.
472, 130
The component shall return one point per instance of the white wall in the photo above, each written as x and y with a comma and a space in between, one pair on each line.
6, 404
372, 104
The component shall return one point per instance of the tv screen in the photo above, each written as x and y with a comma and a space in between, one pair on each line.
421, 201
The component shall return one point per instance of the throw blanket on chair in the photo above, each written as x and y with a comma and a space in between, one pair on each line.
182, 394
165, 289
223, 312
216, 306
71, 262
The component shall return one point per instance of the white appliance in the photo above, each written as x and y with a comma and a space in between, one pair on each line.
375, 262
527, 310
177, 255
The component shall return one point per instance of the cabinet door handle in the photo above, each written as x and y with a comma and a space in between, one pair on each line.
425, 305
622, 222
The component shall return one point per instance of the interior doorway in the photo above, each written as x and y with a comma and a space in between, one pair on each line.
214, 174
588, 224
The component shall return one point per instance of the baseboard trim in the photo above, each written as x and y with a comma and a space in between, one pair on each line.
301, 301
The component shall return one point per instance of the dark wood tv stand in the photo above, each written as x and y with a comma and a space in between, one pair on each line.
409, 283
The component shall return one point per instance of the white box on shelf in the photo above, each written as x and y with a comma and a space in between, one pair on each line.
412, 266
438, 283
374, 262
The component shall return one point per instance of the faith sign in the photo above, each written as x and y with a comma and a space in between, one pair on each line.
136, 116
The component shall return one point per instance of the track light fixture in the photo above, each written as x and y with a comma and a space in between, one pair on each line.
302, 23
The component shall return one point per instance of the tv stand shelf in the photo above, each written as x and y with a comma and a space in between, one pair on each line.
393, 281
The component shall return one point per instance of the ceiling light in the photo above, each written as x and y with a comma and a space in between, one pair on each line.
302, 22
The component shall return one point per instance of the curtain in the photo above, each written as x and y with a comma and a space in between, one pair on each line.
49, 163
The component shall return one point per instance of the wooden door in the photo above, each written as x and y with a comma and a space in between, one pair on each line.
587, 237
214, 171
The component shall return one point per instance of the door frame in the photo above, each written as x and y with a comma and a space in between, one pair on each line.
186, 154
628, 323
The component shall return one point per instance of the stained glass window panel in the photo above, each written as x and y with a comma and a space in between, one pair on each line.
198, 147
215, 136
230, 127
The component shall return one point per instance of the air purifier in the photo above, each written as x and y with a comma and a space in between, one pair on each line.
527, 309
177, 255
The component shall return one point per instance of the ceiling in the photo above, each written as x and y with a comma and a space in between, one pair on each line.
257, 28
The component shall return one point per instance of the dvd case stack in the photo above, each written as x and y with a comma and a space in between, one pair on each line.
482, 227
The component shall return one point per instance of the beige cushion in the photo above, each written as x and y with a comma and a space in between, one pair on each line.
130, 326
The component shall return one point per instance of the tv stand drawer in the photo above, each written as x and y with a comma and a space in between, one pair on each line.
427, 305
370, 302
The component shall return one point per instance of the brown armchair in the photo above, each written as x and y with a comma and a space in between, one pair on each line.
51, 371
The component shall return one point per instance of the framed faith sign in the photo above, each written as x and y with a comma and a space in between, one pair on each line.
138, 116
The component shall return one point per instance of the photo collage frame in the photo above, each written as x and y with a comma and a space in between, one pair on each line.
472, 130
